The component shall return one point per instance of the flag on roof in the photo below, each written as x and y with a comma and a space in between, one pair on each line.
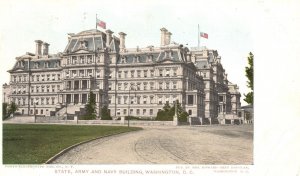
101, 24
204, 35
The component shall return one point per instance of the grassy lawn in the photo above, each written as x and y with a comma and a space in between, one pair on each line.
35, 144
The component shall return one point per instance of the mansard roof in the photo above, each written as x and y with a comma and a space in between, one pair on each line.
35, 63
202, 64
156, 56
91, 40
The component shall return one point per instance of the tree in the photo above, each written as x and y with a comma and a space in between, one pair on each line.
4, 110
12, 108
90, 107
249, 74
168, 113
105, 113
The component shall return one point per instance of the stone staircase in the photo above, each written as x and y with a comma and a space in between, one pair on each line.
71, 110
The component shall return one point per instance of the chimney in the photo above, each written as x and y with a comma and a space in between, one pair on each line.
45, 48
122, 41
38, 47
168, 38
163, 36
108, 37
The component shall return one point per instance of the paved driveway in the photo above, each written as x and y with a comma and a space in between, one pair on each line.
169, 145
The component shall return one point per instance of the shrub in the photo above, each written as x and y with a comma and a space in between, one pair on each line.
105, 113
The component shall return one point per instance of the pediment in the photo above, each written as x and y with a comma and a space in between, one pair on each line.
18, 69
81, 51
166, 61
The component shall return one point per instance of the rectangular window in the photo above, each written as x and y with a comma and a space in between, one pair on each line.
151, 111
145, 73
152, 73
125, 99
174, 85
124, 111
175, 72
132, 74
160, 73
138, 112
119, 100
167, 85
131, 111
152, 99
125, 74
160, 85
138, 86
190, 99
138, 73
221, 98
144, 111
167, 72
151, 86
119, 74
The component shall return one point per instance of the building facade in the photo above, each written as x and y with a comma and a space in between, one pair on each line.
130, 81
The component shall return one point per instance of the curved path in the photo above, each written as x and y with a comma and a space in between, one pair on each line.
168, 145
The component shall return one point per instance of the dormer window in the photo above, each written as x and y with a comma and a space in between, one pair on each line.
137, 59
46, 64
82, 59
36, 65
150, 58
89, 59
123, 60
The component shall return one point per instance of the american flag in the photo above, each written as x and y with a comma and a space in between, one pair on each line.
204, 35
101, 24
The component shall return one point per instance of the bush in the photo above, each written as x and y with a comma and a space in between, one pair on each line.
183, 117
105, 113
168, 113
88, 117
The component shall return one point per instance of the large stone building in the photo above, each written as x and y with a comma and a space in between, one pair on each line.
136, 81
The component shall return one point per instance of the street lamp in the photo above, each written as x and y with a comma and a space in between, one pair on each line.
34, 102
129, 100
67, 88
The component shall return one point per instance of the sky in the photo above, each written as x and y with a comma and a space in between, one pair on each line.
270, 29
226, 23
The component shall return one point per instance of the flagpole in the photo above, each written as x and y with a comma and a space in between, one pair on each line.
198, 37
96, 21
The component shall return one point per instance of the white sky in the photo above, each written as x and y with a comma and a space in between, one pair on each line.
227, 24
268, 28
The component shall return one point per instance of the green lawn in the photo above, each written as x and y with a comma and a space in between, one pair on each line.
35, 144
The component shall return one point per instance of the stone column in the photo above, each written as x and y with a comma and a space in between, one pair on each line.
79, 98
72, 98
